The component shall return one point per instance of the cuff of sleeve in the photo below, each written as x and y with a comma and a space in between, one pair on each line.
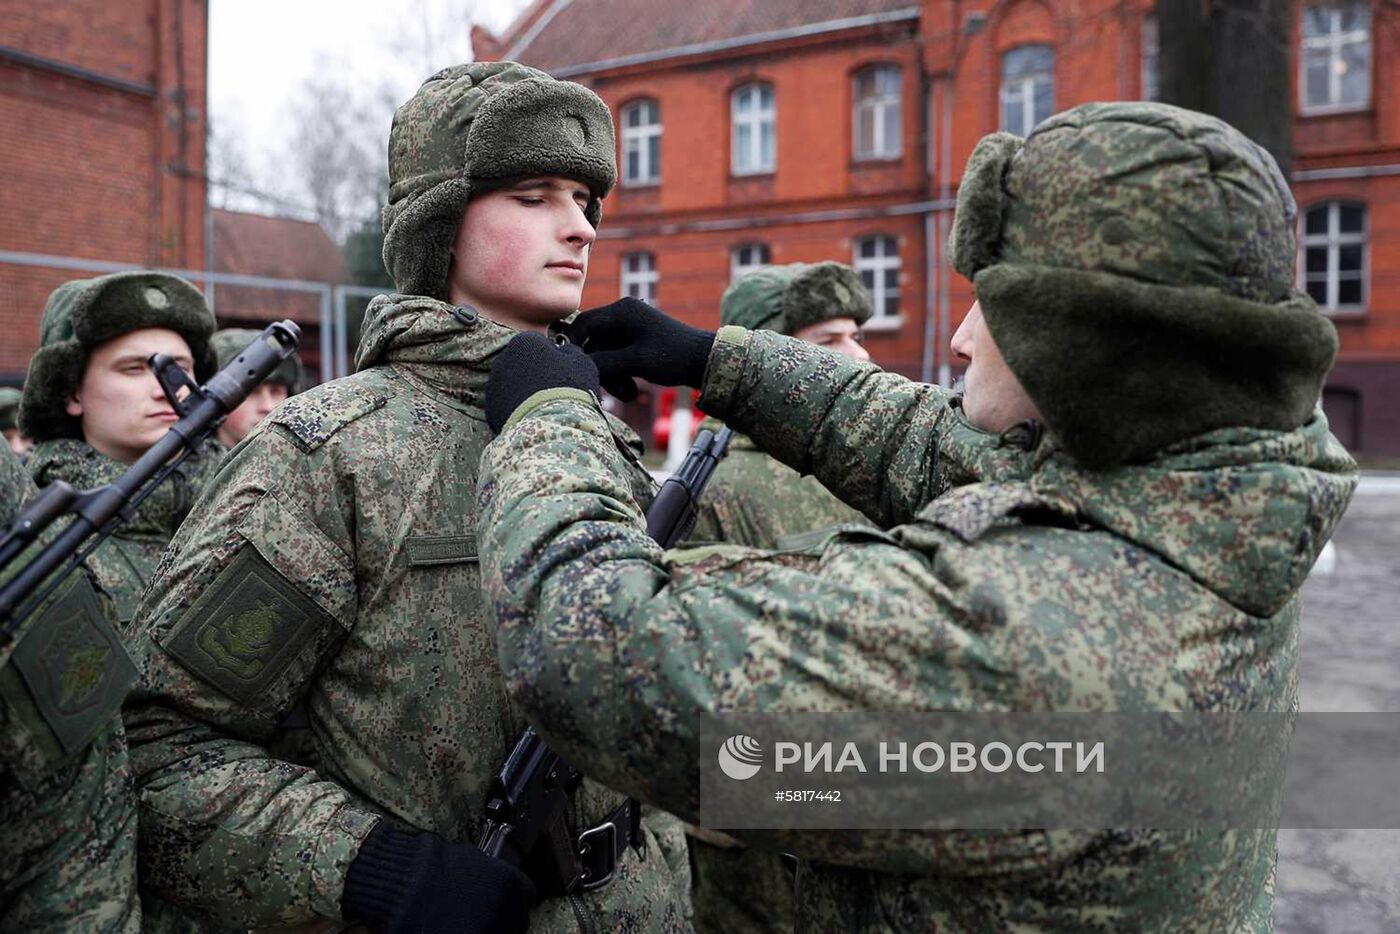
724, 369
383, 878
336, 850
545, 396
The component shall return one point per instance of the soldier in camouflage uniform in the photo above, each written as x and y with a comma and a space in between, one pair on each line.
67, 807
335, 564
93, 406
1134, 265
756, 500
753, 499
9, 421
272, 392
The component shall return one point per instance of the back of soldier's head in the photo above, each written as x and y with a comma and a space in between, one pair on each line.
1135, 266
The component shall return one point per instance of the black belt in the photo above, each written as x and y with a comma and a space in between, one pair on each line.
600, 848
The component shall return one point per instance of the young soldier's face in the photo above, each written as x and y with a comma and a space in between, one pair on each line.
254, 409
993, 397
119, 402
839, 334
521, 253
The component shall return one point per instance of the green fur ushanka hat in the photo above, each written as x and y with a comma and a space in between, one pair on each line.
788, 298
9, 407
83, 313
1135, 265
229, 342
474, 127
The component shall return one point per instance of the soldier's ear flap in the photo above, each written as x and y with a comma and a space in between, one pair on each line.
975, 240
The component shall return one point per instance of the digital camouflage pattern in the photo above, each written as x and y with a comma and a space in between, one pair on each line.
1150, 249
1014, 593
124, 564
67, 816
755, 500
334, 563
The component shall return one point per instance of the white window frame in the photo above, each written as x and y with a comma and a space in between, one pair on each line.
886, 258
885, 108
1333, 42
1150, 65
741, 263
1333, 240
643, 281
750, 161
1024, 86
638, 139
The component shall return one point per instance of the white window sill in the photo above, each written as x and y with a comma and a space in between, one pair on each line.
1328, 110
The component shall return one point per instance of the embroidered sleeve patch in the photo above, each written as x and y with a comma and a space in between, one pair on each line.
244, 631
74, 665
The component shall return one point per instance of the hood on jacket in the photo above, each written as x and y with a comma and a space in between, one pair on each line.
1243, 511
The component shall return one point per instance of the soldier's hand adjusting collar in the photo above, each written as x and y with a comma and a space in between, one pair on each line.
630, 338
532, 363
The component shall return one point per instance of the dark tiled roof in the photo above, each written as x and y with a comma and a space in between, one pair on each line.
578, 32
278, 248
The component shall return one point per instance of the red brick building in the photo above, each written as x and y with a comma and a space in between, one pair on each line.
102, 154
280, 248
837, 129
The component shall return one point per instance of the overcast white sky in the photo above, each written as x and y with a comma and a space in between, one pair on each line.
260, 51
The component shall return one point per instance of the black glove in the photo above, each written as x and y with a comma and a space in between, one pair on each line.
630, 338
529, 363
402, 882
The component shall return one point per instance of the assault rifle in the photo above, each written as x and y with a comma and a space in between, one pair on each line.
526, 806
98, 512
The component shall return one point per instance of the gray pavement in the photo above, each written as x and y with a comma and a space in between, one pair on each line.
1348, 881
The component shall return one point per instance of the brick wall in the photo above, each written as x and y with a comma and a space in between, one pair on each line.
956, 49
103, 152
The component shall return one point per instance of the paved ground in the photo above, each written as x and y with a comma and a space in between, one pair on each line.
1348, 881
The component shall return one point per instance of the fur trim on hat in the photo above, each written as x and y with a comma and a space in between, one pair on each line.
823, 292
1121, 368
84, 313
532, 127
975, 240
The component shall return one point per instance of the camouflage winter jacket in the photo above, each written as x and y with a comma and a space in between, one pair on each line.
1169, 585
333, 562
124, 563
67, 807
755, 500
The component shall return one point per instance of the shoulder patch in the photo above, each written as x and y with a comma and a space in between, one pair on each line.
246, 628
74, 665
314, 416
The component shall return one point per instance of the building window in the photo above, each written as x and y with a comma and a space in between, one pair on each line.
1149, 59
641, 143
1336, 59
877, 261
755, 134
746, 258
1027, 87
877, 112
1334, 254
639, 276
